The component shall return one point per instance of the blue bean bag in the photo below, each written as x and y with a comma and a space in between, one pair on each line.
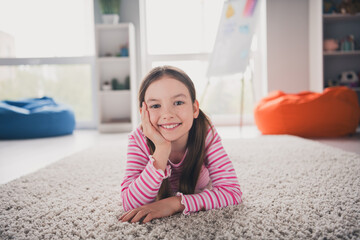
35, 118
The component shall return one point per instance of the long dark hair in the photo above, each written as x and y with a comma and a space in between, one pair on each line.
196, 141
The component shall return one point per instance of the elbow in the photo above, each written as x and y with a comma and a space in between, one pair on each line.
234, 195
237, 196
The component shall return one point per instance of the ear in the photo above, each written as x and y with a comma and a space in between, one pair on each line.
196, 109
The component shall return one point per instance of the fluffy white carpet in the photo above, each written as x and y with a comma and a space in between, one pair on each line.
292, 188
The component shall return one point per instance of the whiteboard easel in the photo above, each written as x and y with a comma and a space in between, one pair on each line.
233, 41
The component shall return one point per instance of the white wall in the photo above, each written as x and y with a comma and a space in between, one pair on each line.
259, 56
287, 45
315, 46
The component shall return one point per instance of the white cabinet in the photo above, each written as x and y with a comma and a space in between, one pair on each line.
328, 65
116, 77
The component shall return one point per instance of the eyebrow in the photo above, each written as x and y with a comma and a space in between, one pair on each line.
176, 96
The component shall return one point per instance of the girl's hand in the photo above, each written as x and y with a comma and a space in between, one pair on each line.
162, 146
163, 208
149, 130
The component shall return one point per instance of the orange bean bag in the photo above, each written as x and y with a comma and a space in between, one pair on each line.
333, 113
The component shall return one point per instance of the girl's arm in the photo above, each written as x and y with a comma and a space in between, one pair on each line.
225, 186
142, 180
162, 208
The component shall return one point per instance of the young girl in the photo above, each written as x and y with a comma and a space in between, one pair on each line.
175, 160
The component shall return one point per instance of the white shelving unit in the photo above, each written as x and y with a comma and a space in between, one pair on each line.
116, 107
326, 65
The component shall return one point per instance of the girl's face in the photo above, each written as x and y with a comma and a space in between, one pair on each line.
170, 108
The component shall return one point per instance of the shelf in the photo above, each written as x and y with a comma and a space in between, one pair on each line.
111, 26
117, 108
342, 53
112, 59
114, 92
111, 127
338, 16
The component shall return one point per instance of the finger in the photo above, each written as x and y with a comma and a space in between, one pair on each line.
122, 216
143, 119
147, 118
143, 111
147, 126
146, 113
148, 218
141, 214
129, 215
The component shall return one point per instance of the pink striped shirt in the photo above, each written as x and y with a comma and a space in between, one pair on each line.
216, 187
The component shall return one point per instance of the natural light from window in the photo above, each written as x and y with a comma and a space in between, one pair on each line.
46, 49
187, 26
43, 28
183, 35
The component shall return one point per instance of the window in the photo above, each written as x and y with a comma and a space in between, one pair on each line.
182, 26
182, 33
47, 49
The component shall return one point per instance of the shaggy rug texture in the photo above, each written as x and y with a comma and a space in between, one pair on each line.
292, 189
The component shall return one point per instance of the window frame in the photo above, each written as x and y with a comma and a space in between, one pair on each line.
148, 59
89, 60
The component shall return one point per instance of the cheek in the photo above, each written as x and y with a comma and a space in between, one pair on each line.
186, 114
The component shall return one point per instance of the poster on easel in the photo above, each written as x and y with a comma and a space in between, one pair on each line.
233, 40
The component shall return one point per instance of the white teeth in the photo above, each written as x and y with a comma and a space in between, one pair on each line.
170, 126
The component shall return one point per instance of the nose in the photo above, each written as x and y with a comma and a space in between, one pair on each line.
167, 113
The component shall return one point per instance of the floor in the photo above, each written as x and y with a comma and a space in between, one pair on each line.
21, 157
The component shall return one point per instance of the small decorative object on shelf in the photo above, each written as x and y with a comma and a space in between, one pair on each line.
329, 6
106, 86
331, 44
110, 11
124, 51
348, 6
348, 43
332, 83
116, 85
341, 7
127, 82
349, 79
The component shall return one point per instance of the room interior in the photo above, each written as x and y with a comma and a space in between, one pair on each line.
306, 186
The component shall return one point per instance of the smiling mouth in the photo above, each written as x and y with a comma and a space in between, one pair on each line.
170, 126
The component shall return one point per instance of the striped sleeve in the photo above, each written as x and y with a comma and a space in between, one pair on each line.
225, 186
142, 180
